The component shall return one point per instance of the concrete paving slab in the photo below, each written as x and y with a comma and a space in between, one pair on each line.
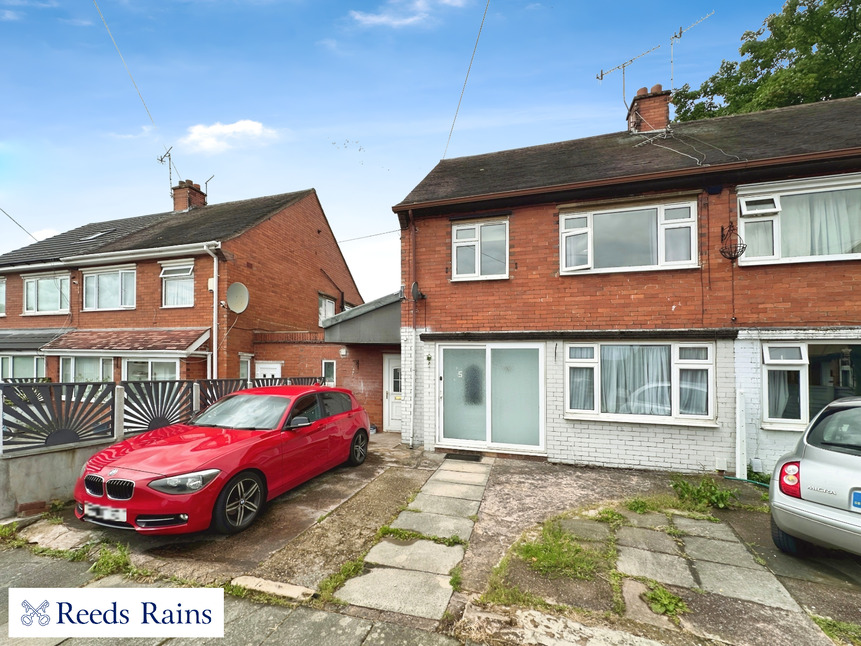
759, 586
459, 477
315, 628
245, 623
434, 524
453, 490
445, 505
649, 519
704, 528
56, 536
286, 590
638, 610
665, 568
468, 467
647, 539
419, 594
395, 635
589, 530
424, 556
717, 551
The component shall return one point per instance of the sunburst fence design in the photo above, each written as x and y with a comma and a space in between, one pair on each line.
153, 404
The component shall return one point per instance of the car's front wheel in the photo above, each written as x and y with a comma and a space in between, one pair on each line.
358, 448
239, 503
786, 542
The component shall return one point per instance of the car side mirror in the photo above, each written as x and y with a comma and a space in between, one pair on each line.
299, 422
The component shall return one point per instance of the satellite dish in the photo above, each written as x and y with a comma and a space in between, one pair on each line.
416, 292
237, 298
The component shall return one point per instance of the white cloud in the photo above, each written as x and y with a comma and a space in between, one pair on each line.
400, 13
220, 137
77, 22
7, 15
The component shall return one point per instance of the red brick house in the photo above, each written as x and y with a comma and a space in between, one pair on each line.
184, 294
585, 301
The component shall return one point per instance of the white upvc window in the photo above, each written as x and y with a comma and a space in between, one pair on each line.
328, 372
640, 380
479, 250
801, 221
46, 294
2, 297
151, 369
658, 236
177, 283
785, 378
244, 366
325, 308
86, 369
22, 366
109, 289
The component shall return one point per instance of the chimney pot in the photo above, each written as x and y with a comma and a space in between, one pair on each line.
187, 195
656, 88
649, 110
642, 91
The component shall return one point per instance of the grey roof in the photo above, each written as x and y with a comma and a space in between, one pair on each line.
28, 340
362, 309
202, 224
691, 147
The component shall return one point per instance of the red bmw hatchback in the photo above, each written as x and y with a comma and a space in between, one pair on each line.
222, 467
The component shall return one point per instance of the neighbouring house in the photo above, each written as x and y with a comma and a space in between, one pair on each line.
671, 296
232, 290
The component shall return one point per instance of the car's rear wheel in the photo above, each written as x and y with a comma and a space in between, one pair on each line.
786, 542
239, 503
358, 448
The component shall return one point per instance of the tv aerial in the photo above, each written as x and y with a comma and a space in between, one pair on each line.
678, 36
622, 67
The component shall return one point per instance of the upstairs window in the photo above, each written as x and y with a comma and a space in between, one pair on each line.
325, 307
47, 294
109, 289
801, 221
2, 297
646, 237
177, 284
479, 250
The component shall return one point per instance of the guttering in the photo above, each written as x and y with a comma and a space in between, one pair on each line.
633, 179
90, 259
208, 247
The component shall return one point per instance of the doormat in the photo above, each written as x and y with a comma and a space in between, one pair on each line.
463, 456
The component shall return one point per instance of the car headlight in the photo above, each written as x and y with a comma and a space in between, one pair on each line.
185, 483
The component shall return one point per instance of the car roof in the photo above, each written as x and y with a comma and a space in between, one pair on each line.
845, 402
289, 391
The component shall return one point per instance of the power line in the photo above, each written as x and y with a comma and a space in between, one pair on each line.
474, 49
20, 226
373, 235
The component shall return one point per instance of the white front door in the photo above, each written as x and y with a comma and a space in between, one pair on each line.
267, 369
392, 396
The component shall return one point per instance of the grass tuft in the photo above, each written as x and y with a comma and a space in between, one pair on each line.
556, 553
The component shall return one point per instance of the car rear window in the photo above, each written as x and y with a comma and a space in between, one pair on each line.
336, 403
838, 429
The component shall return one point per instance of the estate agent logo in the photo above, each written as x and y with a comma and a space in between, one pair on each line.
38, 613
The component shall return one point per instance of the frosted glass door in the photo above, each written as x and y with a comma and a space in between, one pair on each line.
464, 394
515, 407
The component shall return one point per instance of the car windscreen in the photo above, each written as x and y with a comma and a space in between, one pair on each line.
838, 429
245, 411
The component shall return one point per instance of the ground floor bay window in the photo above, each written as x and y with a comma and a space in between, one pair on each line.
492, 397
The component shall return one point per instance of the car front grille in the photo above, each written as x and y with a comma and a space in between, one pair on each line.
120, 489
95, 485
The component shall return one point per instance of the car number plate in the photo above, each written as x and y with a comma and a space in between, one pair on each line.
856, 501
115, 514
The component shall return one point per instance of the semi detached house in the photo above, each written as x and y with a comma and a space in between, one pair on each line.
673, 296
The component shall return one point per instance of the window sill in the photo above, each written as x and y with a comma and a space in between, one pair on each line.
787, 427
759, 262
464, 279
110, 309
176, 307
637, 419
60, 313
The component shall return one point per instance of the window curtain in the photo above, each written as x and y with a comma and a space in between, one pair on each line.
581, 387
821, 224
178, 291
694, 392
635, 379
778, 393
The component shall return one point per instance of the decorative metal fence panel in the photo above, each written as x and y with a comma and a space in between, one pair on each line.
154, 404
305, 381
39, 415
211, 390
270, 381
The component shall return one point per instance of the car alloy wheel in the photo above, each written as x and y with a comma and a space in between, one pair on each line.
239, 503
358, 448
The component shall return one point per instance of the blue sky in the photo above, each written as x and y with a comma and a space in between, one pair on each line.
354, 98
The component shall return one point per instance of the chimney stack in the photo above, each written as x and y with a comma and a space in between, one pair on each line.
650, 110
187, 196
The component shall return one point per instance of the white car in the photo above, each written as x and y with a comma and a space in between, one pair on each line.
815, 492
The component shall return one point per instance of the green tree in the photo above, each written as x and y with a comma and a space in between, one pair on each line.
810, 51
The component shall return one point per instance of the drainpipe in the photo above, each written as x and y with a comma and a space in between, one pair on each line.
214, 369
415, 315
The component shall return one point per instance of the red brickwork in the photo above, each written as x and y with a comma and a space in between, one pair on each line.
535, 297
